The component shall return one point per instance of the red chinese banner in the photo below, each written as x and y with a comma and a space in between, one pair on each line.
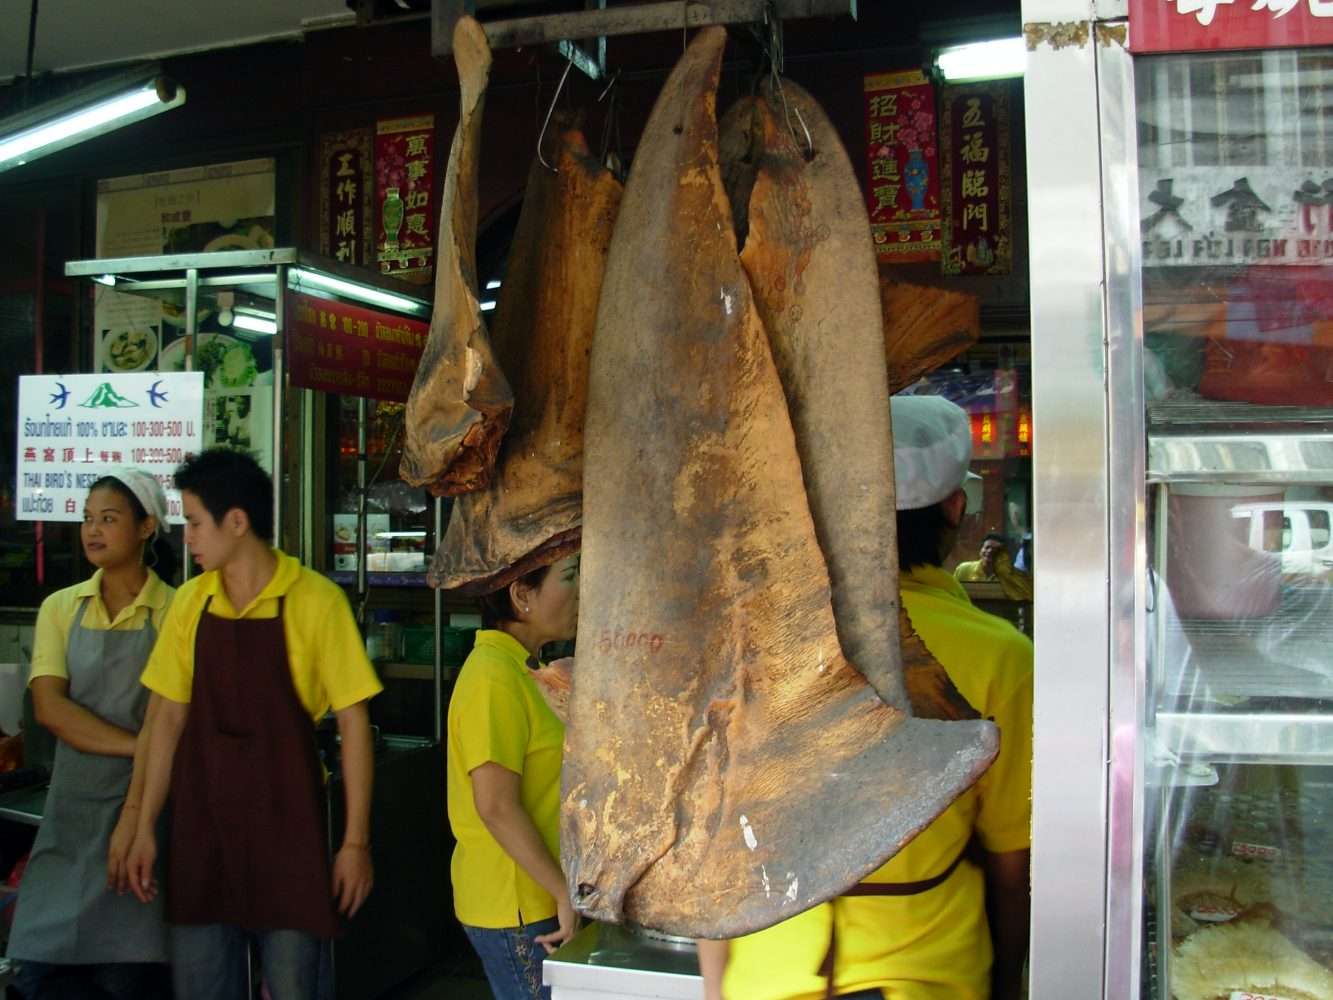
903, 186
1195, 25
976, 179
346, 211
338, 347
404, 173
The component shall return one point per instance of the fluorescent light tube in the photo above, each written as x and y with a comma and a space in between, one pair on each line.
993, 60
351, 290
93, 119
486, 306
254, 324
490, 285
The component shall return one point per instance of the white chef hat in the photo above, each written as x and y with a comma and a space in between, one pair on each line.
146, 489
932, 448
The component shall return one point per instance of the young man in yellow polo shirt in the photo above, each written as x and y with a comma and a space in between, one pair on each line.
957, 927
256, 650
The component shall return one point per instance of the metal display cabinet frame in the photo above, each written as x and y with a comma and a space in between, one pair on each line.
1104, 463
1087, 487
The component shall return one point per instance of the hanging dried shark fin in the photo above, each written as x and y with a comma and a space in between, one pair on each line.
925, 327
531, 513
810, 260
726, 766
460, 402
809, 256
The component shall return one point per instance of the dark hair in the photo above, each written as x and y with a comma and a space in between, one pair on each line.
924, 537
158, 553
224, 479
498, 607
995, 536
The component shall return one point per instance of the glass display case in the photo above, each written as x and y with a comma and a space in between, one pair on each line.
1236, 195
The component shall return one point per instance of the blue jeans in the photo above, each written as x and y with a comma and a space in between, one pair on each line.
512, 958
211, 962
111, 981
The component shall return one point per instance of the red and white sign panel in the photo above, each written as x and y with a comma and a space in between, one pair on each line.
1203, 25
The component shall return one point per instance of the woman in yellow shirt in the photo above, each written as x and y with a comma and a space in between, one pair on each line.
74, 933
503, 762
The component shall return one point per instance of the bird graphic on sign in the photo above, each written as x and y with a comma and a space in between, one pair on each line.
59, 399
155, 397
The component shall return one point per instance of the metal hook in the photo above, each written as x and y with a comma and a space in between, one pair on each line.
541, 136
809, 139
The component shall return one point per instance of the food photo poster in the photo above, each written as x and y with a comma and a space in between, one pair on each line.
221, 207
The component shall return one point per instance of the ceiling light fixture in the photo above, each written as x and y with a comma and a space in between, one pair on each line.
997, 59
254, 324
300, 277
89, 113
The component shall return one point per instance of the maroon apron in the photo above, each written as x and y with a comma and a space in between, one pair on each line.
249, 841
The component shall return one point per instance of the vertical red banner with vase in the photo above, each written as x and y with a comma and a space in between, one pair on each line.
976, 178
404, 175
346, 209
903, 180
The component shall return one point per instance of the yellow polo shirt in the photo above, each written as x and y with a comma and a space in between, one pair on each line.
497, 715
934, 945
56, 616
325, 652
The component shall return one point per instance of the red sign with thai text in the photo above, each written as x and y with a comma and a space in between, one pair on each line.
404, 174
1195, 25
976, 179
903, 187
338, 347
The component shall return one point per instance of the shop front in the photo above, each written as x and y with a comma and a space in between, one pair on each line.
185, 269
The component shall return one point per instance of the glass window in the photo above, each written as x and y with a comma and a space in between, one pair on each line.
1236, 185
399, 518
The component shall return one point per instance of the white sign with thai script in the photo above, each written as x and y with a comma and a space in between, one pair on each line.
71, 427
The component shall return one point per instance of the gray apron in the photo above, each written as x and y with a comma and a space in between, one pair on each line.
65, 913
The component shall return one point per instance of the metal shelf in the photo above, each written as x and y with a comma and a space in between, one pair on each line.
1195, 411
1252, 689
1268, 737
1200, 440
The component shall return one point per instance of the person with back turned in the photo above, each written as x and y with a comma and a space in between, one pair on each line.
947, 917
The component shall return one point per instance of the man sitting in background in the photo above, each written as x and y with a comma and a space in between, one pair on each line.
995, 566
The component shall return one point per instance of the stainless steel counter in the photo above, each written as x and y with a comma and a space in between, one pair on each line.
604, 961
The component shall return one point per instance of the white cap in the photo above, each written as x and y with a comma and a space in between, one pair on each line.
932, 448
146, 489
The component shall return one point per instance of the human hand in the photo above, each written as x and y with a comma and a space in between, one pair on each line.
353, 878
569, 921
139, 866
11, 752
117, 855
555, 682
